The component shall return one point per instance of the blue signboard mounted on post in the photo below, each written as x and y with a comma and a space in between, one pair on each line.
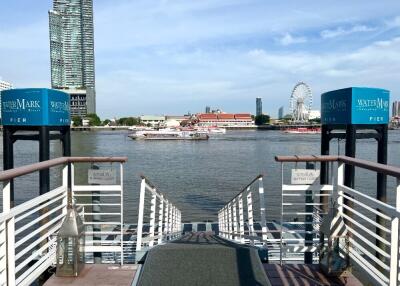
355, 105
35, 107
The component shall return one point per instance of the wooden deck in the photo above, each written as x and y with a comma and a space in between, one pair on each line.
303, 275
98, 275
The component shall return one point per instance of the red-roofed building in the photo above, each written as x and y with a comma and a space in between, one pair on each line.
225, 119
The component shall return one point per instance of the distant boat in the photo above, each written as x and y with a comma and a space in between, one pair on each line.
211, 130
168, 134
302, 130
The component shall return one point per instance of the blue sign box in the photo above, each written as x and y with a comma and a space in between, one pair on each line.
355, 105
35, 107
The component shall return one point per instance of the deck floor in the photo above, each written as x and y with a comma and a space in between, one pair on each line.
98, 275
302, 275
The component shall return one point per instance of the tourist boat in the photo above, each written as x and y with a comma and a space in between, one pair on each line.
302, 130
211, 130
168, 134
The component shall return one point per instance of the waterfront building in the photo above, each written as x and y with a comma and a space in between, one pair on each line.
225, 119
153, 120
314, 114
4, 85
258, 106
72, 53
280, 112
396, 109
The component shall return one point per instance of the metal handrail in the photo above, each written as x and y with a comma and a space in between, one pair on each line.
27, 169
372, 166
247, 186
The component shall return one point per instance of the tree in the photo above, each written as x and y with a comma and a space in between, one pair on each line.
261, 119
128, 121
77, 120
94, 120
106, 122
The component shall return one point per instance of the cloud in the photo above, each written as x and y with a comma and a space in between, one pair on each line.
288, 39
340, 31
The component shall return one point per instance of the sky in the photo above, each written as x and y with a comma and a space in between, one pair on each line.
174, 57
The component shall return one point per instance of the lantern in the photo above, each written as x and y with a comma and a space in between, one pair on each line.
334, 253
70, 245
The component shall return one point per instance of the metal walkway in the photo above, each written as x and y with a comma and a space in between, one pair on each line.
202, 259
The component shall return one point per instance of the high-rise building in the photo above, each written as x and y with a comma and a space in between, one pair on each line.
258, 106
72, 53
208, 109
396, 109
3, 86
280, 112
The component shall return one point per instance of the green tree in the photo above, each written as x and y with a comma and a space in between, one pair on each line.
77, 120
261, 119
94, 120
105, 122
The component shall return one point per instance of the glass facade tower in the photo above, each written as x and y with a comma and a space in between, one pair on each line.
72, 52
258, 106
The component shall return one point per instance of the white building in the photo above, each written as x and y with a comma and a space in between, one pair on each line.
314, 114
3, 86
153, 120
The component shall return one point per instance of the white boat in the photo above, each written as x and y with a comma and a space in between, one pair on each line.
211, 130
168, 134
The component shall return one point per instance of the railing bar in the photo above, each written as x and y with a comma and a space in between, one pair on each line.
97, 188
366, 207
59, 197
385, 207
38, 230
101, 223
369, 254
31, 203
375, 272
365, 218
38, 241
364, 229
28, 225
22, 264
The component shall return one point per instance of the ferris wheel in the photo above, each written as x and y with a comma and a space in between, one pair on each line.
301, 102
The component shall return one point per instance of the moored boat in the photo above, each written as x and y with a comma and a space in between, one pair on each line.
302, 130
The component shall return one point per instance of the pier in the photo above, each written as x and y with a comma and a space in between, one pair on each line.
243, 247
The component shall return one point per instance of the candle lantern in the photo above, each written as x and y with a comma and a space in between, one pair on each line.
70, 245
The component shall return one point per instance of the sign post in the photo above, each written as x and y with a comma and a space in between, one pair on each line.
43, 115
347, 111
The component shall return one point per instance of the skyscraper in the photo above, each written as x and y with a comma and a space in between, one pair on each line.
72, 53
258, 106
396, 109
280, 112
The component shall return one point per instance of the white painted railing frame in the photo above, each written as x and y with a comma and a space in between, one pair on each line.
356, 221
28, 231
233, 217
168, 226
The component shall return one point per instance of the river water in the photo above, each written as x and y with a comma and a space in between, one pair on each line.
200, 176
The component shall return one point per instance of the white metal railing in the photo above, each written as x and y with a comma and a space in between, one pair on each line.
158, 219
301, 216
368, 228
28, 231
243, 218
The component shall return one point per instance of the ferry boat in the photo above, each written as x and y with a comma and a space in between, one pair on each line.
168, 135
302, 130
211, 130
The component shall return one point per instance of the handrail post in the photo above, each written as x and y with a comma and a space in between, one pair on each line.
262, 210
166, 227
160, 220
152, 218
139, 230
10, 235
229, 221
235, 224
241, 219
170, 221
122, 210
394, 241
250, 214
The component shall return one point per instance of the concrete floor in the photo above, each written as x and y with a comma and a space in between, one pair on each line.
98, 275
